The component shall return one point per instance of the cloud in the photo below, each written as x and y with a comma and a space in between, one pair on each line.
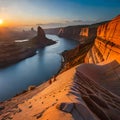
66, 23
62, 23
77, 21
51, 25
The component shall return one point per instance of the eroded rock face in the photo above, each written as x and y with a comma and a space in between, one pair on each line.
90, 31
84, 32
79, 32
75, 56
40, 40
107, 43
72, 32
104, 36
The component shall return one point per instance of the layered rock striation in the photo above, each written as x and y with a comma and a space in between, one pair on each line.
71, 32
107, 43
99, 41
78, 32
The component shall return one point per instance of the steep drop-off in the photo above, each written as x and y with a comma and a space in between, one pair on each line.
71, 32
105, 37
75, 56
86, 36
107, 43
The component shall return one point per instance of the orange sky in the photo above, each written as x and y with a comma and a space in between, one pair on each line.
56, 13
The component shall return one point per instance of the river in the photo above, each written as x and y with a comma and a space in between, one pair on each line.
34, 70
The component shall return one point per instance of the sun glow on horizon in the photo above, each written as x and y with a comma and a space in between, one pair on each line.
1, 21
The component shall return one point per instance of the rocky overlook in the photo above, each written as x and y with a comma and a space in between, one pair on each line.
87, 91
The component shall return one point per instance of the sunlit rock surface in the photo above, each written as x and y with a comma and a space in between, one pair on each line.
107, 43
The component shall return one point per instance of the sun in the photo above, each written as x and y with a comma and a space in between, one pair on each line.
1, 21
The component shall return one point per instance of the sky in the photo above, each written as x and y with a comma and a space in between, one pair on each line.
56, 13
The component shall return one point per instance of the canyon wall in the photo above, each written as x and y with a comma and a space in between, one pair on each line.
107, 43
86, 36
71, 32
98, 42
75, 56
78, 32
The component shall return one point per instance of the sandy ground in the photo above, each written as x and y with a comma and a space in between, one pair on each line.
11, 105
72, 95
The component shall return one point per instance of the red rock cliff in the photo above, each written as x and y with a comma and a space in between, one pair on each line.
107, 43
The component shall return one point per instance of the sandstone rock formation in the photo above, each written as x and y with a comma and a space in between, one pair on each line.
71, 32
40, 40
107, 43
78, 32
40, 33
75, 56
106, 37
